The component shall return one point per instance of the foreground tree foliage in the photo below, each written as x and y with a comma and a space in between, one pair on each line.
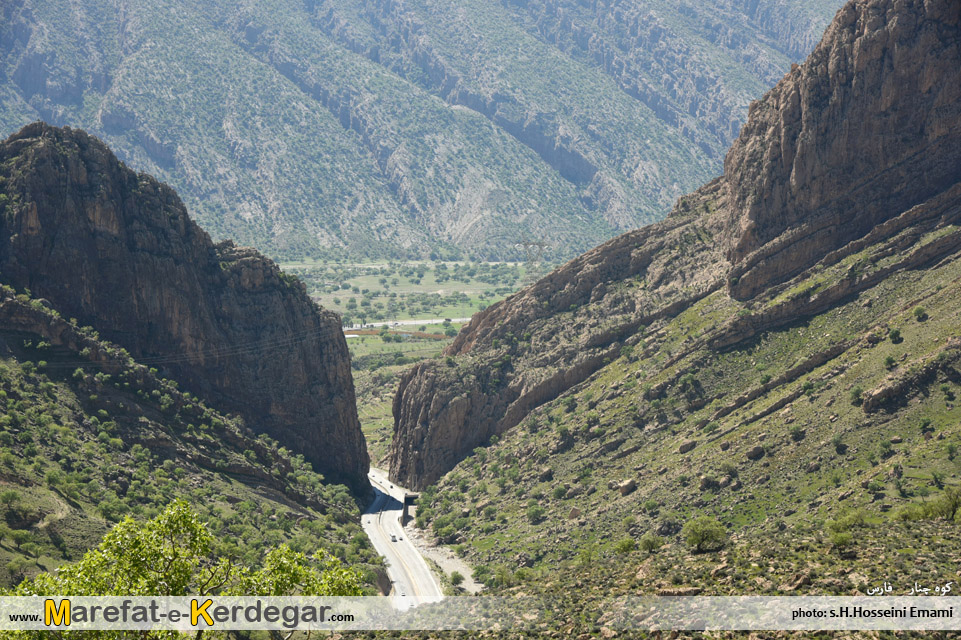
172, 555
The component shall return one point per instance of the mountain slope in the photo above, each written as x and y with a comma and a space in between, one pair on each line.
90, 436
717, 272
397, 129
117, 251
704, 367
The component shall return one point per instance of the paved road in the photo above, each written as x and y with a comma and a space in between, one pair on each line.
408, 572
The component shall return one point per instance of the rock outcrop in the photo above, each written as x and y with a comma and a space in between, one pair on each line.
117, 251
867, 128
859, 146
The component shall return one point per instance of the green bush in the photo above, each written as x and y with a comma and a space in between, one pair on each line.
920, 314
651, 542
704, 534
857, 394
625, 546
729, 469
847, 521
841, 539
535, 513
945, 507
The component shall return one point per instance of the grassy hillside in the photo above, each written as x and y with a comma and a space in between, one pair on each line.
381, 130
823, 434
88, 437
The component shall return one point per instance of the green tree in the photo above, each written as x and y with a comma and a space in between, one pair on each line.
172, 555
9, 498
20, 537
704, 534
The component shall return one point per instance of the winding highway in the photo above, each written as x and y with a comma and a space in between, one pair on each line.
412, 581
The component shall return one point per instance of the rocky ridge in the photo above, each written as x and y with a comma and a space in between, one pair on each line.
854, 151
116, 250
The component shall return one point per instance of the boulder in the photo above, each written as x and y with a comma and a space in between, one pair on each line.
755, 453
687, 445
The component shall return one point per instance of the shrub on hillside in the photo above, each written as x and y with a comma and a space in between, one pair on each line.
704, 534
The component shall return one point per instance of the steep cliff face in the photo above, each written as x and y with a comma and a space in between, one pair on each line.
117, 251
858, 147
869, 126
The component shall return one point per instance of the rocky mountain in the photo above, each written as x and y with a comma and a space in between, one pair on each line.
844, 185
116, 250
398, 129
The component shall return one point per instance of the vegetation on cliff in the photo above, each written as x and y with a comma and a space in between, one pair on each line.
118, 251
90, 437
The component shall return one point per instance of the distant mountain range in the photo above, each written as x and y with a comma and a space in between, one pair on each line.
378, 128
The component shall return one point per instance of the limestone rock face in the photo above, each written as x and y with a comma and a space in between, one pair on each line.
855, 146
865, 129
117, 251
